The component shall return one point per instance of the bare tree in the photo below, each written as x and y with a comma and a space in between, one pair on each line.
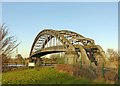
19, 57
112, 54
7, 43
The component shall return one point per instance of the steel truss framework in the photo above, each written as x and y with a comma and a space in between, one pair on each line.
70, 42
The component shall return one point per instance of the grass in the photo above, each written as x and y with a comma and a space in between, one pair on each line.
41, 76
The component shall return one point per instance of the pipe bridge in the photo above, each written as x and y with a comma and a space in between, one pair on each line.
74, 45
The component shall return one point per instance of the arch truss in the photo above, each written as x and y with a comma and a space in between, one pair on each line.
52, 41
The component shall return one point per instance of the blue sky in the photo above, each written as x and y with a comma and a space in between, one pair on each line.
95, 20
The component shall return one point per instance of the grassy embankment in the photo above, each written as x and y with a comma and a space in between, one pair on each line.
41, 76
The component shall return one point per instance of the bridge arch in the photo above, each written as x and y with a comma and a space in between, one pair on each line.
71, 43
52, 34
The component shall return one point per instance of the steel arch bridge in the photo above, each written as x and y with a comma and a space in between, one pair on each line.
74, 45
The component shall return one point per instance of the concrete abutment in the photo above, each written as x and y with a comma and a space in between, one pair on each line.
71, 57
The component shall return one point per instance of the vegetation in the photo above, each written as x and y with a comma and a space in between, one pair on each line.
119, 72
7, 43
119, 66
112, 55
60, 58
41, 76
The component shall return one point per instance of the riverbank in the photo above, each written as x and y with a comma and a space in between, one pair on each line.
43, 75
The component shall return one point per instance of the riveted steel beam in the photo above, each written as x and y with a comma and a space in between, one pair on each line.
71, 42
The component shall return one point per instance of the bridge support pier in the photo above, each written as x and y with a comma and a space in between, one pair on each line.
38, 62
71, 57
